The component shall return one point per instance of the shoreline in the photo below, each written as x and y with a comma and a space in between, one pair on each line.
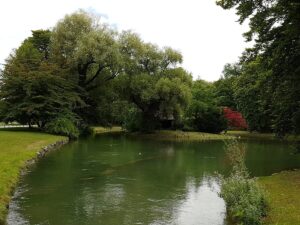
43, 152
30, 154
282, 195
180, 136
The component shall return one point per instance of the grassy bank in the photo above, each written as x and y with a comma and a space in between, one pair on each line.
101, 130
166, 135
283, 197
172, 135
16, 147
264, 136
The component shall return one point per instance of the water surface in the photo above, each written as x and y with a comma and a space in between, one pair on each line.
114, 180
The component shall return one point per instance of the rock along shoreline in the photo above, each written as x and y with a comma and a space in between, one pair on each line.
43, 152
39, 155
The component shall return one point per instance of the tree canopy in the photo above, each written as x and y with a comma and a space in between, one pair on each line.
83, 72
153, 81
33, 90
271, 67
204, 114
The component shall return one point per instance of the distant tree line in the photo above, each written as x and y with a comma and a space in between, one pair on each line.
83, 72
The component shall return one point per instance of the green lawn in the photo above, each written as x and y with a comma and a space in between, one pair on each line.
172, 135
256, 135
283, 195
101, 130
16, 147
166, 135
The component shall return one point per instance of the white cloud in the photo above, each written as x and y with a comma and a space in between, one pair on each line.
207, 36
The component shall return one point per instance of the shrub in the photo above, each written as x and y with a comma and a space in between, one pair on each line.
245, 201
63, 125
136, 120
133, 120
205, 118
235, 119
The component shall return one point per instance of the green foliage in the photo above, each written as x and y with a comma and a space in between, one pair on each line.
133, 120
73, 68
274, 25
224, 91
2, 109
63, 124
253, 96
153, 81
88, 49
66, 34
203, 113
95, 54
205, 118
245, 201
16, 149
89, 52
69, 69
33, 90
41, 41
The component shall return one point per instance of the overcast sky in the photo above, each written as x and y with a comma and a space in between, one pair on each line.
205, 34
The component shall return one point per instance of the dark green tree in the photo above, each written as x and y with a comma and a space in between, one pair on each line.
274, 26
33, 90
153, 81
203, 114
253, 96
224, 91
89, 51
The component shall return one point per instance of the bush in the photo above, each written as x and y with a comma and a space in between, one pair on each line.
245, 201
204, 118
63, 125
136, 120
133, 120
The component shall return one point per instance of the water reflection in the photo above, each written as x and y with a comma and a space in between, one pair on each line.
202, 204
118, 181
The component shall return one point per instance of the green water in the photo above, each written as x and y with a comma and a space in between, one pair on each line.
113, 180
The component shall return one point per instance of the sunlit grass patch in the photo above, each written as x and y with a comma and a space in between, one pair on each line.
283, 197
16, 147
172, 135
257, 135
100, 130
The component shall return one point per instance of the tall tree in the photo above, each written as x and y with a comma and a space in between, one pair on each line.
89, 49
253, 95
153, 81
274, 26
224, 91
90, 53
33, 90
203, 114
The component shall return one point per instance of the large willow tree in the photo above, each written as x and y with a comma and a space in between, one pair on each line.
153, 81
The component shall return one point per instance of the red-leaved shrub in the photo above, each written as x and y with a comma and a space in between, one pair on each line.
234, 119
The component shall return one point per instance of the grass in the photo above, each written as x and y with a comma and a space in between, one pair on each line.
172, 135
101, 130
166, 135
256, 135
283, 197
16, 147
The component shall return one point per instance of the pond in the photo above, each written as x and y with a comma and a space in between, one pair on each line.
116, 180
